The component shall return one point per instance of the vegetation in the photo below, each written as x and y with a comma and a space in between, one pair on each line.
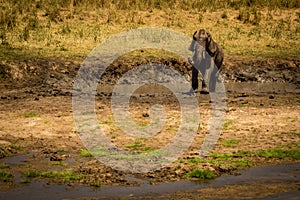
85, 153
223, 155
65, 176
228, 124
24, 181
269, 153
6, 176
279, 153
4, 166
134, 145
59, 163
30, 115
195, 160
70, 29
201, 174
230, 143
18, 148
96, 184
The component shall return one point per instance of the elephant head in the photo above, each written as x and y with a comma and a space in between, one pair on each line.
205, 40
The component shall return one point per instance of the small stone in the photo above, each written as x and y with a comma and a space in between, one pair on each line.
211, 169
271, 97
145, 115
57, 157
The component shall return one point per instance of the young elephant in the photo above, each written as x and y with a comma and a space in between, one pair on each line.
207, 58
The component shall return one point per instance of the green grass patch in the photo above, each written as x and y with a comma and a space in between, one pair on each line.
194, 160
4, 166
134, 145
24, 181
230, 143
279, 153
147, 149
201, 174
6, 176
31, 174
61, 175
64, 175
242, 162
95, 184
59, 163
243, 152
223, 155
85, 153
227, 124
30, 115
18, 148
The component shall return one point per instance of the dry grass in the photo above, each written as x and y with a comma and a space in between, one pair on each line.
71, 30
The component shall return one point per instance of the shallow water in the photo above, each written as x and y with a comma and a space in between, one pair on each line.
269, 174
19, 159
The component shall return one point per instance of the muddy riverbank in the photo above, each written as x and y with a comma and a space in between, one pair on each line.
261, 128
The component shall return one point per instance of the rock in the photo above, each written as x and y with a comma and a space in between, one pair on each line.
211, 169
271, 97
57, 157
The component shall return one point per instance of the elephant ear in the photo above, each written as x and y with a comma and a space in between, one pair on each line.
196, 36
211, 45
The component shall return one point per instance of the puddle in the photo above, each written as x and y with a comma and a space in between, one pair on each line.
269, 174
19, 160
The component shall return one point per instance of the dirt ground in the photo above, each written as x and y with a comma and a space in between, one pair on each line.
263, 104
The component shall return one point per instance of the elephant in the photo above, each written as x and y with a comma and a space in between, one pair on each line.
207, 58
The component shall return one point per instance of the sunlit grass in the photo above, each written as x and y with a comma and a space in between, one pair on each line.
230, 143
6, 176
30, 115
95, 184
279, 153
228, 124
4, 166
134, 145
85, 153
269, 153
59, 163
259, 28
62, 175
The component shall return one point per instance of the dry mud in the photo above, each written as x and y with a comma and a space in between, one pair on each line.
36, 120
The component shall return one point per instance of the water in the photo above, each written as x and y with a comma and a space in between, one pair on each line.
269, 174
19, 160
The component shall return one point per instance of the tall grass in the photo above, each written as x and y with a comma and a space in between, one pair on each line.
70, 28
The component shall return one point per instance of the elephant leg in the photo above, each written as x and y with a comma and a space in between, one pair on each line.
213, 80
195, 73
